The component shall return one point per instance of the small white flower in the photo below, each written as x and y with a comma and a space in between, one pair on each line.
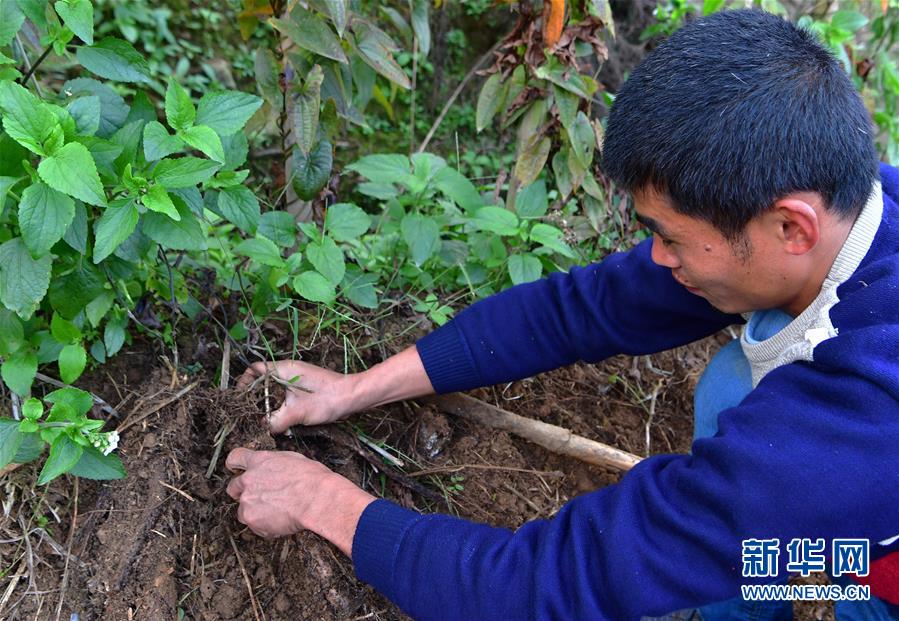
113, 442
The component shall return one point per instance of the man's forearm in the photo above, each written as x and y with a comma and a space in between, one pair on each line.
402, 376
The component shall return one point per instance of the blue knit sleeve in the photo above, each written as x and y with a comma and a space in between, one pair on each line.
807, 454
624, 305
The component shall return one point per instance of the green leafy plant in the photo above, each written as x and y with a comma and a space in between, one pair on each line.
76, 443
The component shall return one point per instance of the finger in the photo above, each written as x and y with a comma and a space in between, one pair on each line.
235, 487
261, 533
253, 371
279, 421
239, 459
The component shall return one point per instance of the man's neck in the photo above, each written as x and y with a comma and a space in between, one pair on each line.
821, 261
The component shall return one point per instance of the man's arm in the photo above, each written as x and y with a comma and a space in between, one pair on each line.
625, 304
798, 458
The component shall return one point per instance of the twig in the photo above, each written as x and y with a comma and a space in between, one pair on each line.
39, 60
351, 441
104, 406
12, 583
551, 437
16, 405
128, 423
65, 571
246, 578
179, 491
226, 365
219, 443
455, 95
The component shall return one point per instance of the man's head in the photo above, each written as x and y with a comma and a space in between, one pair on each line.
743, 133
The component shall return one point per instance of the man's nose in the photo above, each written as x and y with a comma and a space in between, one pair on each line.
662, 255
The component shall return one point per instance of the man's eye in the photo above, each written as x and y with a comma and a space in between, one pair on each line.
666, 242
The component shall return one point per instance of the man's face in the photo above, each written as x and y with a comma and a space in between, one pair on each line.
734, 277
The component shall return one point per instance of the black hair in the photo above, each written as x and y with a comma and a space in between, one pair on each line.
736, 110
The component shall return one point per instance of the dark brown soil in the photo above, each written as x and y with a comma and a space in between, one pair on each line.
164, 542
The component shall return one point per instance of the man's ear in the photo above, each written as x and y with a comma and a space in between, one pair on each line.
798, 224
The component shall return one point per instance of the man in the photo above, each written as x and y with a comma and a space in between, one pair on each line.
750, 157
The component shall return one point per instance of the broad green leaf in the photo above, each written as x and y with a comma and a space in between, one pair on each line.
311, 173
158, 200
420, 25
96, 310
11, 20
280, 227
99, 467
531, 201
71, 291
551, 237
327, 259
114, 335
583, 139
80, 401
78, 15
64, 330
10, 440
64, 454
31, 448
582, 86
113, 109
359, 287
240, 206
848, 20
346, 222
185, 234
337, 10
496, 220
261, 250
18, 371
458, 188
524, 268
44, 216
36, 11
311, 33
76, 235
142, 109
314, 287
33, 409
86, 113
306, 106
23, 280
114, 59
72, 360
711, 6
26, 118
158, 143
268, 76
422, 235
12, 334
179, 109
561, 173
384, 168
236, 150
490, 100
375, 52
567, 104
184, 172
72, 171
114, 226
226, 112
203, 139
6, 184
98, 352
532, 158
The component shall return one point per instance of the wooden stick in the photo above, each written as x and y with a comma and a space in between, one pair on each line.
550, 437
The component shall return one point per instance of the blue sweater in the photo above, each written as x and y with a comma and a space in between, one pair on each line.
813, 451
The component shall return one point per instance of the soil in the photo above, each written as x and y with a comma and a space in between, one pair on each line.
164, 542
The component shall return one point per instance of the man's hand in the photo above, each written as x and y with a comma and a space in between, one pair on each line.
281, 493
315, 396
